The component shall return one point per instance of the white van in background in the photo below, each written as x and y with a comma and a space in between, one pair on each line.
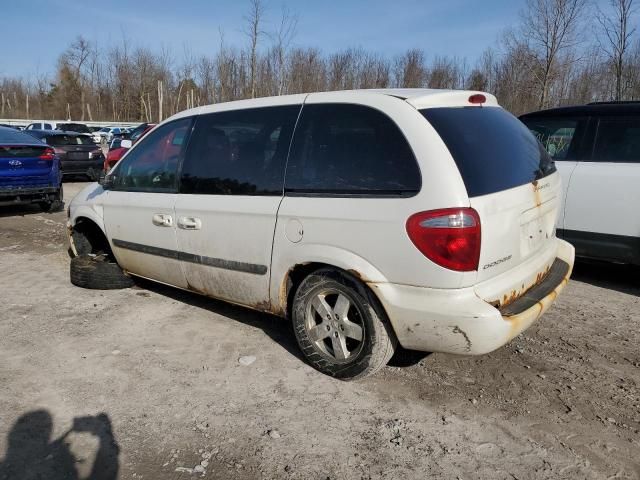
596, 148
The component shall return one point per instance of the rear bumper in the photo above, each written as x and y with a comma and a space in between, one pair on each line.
459, 321
16, 196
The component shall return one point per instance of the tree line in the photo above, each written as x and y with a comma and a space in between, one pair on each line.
561, 52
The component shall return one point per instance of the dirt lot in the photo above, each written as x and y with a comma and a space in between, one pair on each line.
561, 401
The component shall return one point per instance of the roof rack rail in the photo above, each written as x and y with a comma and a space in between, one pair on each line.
615, 102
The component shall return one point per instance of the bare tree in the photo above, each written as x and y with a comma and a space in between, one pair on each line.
282, 39
410, 69
253, 31
539, 64
615, 37
551, 28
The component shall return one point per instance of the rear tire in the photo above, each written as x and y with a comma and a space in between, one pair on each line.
54, 205
340, 326
96, 272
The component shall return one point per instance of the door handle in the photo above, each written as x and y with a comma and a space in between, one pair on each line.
162, 220
190, 223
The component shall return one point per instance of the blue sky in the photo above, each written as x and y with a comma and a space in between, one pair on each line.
36, 34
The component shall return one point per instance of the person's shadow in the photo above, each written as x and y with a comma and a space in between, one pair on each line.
32, 455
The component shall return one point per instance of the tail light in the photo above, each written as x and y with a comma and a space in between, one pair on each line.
49, 154
449, 237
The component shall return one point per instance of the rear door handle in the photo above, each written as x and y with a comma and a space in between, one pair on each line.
190, 223
162, 220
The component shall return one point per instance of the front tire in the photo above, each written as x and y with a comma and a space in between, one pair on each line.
97, 272
340, 326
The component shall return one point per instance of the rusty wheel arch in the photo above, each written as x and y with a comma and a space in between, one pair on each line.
300, 271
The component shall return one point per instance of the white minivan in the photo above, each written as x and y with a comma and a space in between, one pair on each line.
368, 218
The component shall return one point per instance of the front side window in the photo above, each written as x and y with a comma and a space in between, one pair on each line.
241, 152
618, 140
350, 149
153, 164
555, 134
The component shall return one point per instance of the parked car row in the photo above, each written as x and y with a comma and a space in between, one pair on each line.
78, 154
34, 161
97, 133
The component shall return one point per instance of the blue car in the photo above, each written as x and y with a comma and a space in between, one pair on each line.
29, 171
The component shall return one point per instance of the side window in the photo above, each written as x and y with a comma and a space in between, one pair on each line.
350, 149
557, 135
47, 126
618, 140
153, 164
240, 152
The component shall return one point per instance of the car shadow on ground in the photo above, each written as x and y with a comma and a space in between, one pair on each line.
278, 329
613, 276
20, 210
32, 453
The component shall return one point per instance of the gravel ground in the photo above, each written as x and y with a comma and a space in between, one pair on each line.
156, 383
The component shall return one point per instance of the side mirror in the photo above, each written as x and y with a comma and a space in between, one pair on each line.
126, 144
106, 181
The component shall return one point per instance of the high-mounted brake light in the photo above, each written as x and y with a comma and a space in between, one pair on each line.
49, 154
477, 99
449, 237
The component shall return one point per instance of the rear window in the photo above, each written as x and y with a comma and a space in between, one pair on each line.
493, 150
20, 152
9, 136
64, 140
73, 127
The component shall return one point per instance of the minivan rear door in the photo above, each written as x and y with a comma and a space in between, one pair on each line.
511, 182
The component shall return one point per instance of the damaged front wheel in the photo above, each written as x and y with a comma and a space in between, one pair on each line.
98, 272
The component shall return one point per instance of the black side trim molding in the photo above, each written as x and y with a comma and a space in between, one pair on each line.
192, 258
604, 246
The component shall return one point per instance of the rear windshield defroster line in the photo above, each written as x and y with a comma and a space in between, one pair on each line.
493, 150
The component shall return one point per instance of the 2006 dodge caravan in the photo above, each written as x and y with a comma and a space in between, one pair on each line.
369, 218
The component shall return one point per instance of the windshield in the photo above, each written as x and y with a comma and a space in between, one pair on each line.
73, 127
105, 130
493, 150
62, 140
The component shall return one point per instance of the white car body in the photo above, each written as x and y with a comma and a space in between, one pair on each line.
106, 132
600, 170
243, 248
42, 125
